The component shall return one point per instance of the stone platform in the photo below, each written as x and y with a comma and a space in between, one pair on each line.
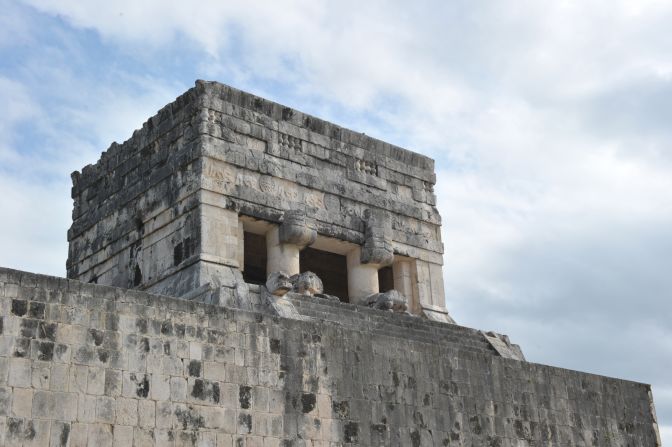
92, 365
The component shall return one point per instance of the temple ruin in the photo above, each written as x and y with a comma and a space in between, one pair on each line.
243, 274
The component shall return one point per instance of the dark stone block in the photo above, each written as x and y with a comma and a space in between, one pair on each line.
308, 402
141, 325
206, 390
141, 385
189, 418
245, 422
167, 328
341, 409
96, 336
194, 368
36, 310
28, 328
103, 355
21, 348
64, 435
415, 438
245, 397
351, 432
45, 351
19, 307
46, 330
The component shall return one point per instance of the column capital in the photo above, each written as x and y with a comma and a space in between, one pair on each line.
297, 229
377, 247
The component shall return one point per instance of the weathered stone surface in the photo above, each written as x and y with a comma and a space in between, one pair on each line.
377, 247
391, 300
297, 229
278, 283
306, 283
503, 345
198, 374
161, 212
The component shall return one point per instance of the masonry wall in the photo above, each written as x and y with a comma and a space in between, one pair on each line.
136, 211
89, 365
269, 158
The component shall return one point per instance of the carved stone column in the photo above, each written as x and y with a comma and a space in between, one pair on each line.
284, 242
362, 278
403, 282
364, 262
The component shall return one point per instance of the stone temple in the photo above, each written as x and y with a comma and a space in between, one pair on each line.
244, 274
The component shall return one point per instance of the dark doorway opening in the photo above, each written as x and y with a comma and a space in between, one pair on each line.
255, 258
385, 279
330, 267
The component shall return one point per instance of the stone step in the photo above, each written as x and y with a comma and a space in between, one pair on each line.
457, 343
366, 314
379, 314
389, 324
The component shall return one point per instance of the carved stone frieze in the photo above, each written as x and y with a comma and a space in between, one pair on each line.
367, 167
289, 142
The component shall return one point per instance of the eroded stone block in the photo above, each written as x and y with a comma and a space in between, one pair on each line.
391, 300
278, 283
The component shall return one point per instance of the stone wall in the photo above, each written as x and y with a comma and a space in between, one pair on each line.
90, 365
136, 211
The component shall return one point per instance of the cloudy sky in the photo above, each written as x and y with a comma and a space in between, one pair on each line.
549, 122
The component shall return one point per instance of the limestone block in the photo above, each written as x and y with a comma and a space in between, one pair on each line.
214, 371
160, 387
146, 413
77, 382
22, 402
423, 286
164, 414
55, 405
41, 375
178, 389
105, 409
436, 313
20, 373
100, 435
95, 380
86, 408
436, 282
59, 433
123, 436
503, 345
126, 411
6, 401
219, 235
